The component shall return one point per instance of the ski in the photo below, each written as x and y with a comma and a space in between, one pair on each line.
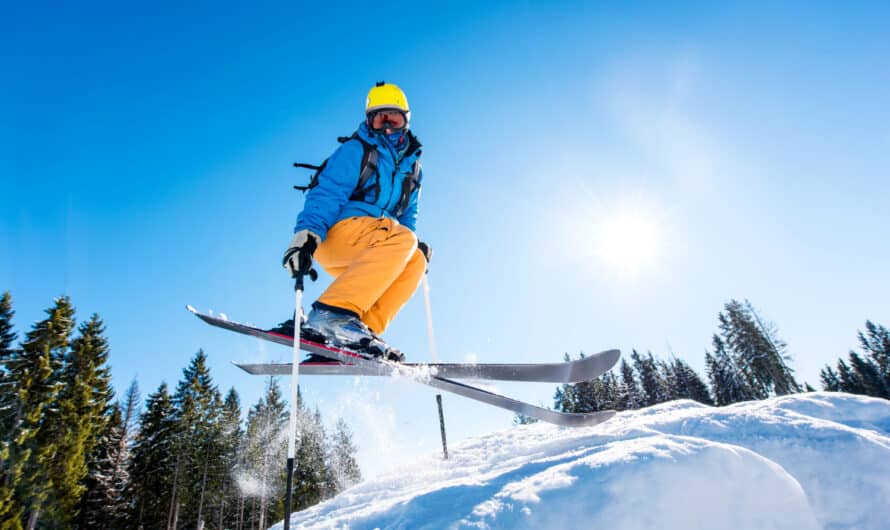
574, 371
424, 377
468, 391
565, 372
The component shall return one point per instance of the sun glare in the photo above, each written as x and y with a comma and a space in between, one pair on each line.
627, 242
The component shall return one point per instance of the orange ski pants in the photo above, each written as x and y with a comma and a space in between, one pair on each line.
376, 268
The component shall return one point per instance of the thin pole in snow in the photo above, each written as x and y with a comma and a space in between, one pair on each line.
292, 426
429, 331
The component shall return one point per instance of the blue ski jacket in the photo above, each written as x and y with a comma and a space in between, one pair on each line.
329, 201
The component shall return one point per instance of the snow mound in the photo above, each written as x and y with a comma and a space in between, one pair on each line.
810, 461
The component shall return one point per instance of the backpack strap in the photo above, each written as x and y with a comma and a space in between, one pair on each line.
368, 169
408, 186
314, 180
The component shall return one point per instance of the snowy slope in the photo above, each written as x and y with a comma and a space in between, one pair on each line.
809, 461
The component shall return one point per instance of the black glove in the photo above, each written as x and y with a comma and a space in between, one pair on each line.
427, 251
298, 256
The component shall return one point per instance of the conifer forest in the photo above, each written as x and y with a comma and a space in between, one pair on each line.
73, 454
748, 361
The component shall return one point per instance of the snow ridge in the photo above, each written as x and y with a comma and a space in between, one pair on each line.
808, 461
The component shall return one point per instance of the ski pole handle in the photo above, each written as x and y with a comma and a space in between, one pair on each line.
298, 279
298, 282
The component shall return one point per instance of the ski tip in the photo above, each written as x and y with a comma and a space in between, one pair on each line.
191, 309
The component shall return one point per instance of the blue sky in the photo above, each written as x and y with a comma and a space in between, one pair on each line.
596, 176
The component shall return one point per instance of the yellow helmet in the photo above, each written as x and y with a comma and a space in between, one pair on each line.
387, 96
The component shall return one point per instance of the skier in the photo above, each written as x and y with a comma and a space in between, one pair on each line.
358, 223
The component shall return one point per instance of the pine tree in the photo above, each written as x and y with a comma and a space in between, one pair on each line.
313, 481
697, 388
630, 397
563, 398
199, 439
521, 419
876, 343
756, 350
728, 384
874, 367
654, 387
35, 373
104, 504
229, 499
830, 380
102, 492
75, 422
611, 389
263, 478
7, 356
672, 386
588, 396
153, 463
867, 374
10, 511
850, 381
686, 383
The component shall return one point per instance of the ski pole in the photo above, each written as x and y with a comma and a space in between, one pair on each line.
429, 331
292, 427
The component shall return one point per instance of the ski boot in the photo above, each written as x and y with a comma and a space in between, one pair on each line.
392, 354
343, 328
286, 328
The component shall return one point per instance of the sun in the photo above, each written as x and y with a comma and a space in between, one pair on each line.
627, 241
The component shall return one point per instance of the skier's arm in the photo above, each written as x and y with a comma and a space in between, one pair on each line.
335, 185
409, 216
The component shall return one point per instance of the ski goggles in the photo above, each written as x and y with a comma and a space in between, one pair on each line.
383, 119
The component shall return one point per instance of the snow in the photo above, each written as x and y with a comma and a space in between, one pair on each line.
809, 461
